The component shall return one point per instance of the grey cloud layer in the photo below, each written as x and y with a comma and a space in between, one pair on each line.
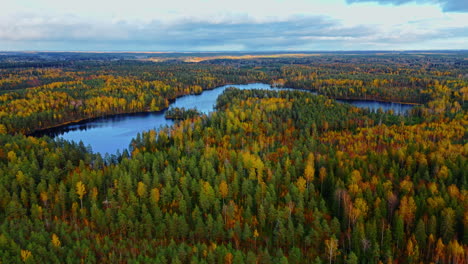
255, 35
182, 34
299, 33
447, 5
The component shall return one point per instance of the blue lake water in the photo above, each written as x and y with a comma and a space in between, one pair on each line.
114, 133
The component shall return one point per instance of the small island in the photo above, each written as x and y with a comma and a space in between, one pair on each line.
176, 113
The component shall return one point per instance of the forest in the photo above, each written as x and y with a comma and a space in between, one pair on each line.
269, 177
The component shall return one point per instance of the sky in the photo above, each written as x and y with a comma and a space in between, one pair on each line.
239, 25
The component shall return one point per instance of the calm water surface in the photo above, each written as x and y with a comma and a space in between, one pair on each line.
112, 134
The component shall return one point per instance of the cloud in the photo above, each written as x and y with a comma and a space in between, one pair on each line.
234, 33
447, 5
253, 35
241, 33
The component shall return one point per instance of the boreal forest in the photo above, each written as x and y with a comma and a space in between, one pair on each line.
271, 176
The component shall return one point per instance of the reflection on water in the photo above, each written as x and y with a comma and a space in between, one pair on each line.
114, 133
373, 106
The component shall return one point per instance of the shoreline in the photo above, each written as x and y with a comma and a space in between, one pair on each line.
43, 131
376, 100
89, 119
86, 120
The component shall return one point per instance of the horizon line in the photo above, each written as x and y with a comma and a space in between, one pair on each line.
225, 51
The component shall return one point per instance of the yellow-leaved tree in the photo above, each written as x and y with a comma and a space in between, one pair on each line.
141, 189
223, 189
25, 255
56, 241
81, 191
3, 129
155, 195
332, 248
309, 170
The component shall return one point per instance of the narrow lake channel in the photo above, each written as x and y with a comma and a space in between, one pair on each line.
114, 133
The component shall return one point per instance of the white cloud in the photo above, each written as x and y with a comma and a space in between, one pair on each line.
227, 25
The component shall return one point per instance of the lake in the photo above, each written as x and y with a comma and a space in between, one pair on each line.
114, 133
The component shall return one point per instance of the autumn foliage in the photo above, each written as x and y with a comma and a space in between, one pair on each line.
269, 177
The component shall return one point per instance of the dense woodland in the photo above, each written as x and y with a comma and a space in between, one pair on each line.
177, 113
270, 177
33, 98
